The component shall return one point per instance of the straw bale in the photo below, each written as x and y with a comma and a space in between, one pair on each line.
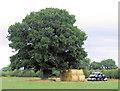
81, 78
72, 72
80, 72
73, 78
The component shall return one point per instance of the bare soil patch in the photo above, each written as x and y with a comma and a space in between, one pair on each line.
43, 81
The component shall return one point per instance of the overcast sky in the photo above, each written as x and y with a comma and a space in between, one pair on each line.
98, 18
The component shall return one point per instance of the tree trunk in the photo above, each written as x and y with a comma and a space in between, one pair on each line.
46, 74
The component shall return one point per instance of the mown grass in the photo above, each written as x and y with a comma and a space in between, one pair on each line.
31, 83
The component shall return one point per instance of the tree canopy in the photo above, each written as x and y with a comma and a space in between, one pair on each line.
4, 69
47, 39
85, 64
104, 64
108, 64
95, 65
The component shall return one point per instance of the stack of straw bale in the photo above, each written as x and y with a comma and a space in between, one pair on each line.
72, 75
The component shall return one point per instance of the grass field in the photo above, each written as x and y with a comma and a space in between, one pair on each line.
34, 83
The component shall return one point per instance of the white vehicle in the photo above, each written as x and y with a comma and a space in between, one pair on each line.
97, 76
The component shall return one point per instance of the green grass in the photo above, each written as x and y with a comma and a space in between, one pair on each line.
30, 83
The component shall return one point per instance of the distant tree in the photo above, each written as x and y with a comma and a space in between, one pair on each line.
95, 65
108, 64
47, 39
4, 69
85, 64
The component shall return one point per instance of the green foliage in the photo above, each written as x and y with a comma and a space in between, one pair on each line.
56, 73
20, 73
116, 74
47, 39
28, 73
4, 69
7, 73
86, 73
108, 64
16, 73
119, 73
39, 73
104, 64
85, 63
95, 65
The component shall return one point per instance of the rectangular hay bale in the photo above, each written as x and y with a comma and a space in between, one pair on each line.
74, 78
81, 78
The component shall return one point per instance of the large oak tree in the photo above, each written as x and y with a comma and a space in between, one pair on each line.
47, 39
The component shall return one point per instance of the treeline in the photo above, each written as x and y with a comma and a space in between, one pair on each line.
107, 67
104, 64
111, 74
27, 73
